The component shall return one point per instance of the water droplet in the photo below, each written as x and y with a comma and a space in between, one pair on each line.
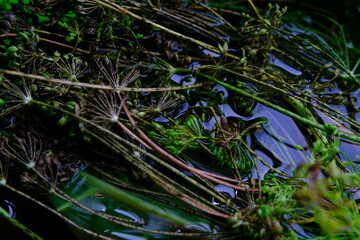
10, 208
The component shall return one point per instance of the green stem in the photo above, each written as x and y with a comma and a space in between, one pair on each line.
320, 50
282, 110
75, 225
132, 201
102, 87
167, 185
122, 10
19, 225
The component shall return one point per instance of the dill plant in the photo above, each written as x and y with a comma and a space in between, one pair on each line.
182, 119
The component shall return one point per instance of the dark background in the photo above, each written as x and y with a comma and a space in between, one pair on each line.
347, 12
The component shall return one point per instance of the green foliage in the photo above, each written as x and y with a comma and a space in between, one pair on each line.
184, 135
6, 4
180, 120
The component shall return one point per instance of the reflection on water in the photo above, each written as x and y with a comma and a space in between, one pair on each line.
124, 235
283, 141
226, 189
122, 215
9, 207
130, 215
277, 62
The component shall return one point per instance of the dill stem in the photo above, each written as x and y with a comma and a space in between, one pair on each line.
280, 109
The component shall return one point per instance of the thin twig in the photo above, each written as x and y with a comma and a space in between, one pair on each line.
122, 10
177, 161
96, 86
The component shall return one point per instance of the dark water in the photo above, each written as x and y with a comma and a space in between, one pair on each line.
40, 221
279, 136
